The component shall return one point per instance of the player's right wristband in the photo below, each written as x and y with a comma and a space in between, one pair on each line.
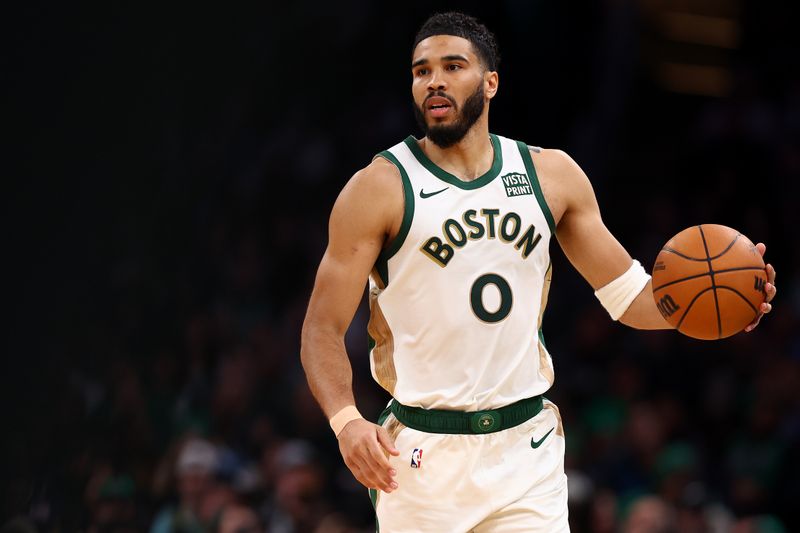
345, 415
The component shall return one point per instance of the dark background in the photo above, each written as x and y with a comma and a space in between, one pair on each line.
172, 173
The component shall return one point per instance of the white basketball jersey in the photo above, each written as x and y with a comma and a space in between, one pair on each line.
456, 300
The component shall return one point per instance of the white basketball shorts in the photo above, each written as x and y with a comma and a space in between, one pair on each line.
508, 481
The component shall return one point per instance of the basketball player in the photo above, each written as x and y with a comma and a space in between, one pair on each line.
452, 231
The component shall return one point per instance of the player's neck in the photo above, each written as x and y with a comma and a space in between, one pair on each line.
468, 159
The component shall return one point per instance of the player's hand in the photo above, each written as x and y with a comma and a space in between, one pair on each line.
769, 289
364, 446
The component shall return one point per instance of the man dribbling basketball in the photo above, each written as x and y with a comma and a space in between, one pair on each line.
453, 231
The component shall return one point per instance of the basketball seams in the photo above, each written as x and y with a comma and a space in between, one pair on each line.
695, 276
713, 283
708, 257
740, 295
687, 278
727, 248
679, 254
689, 307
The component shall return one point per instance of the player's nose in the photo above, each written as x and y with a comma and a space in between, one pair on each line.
436, 82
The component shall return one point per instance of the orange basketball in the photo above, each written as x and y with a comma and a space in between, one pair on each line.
708, 281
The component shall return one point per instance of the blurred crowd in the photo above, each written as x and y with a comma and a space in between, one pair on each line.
178, 403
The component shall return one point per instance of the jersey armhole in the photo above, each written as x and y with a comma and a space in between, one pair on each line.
524, 151
382, 263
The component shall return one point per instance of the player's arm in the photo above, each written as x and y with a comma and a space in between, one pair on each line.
585, 239
363, 216
591, 247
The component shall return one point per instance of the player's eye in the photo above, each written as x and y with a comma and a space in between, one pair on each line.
453, 67
421, 72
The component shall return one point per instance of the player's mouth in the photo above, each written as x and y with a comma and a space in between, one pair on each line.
438, 106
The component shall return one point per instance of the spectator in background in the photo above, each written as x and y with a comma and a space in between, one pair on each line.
195, 470
113, 508
239, 519
650, 514
298, 502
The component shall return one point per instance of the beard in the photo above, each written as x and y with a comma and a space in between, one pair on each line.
445, 136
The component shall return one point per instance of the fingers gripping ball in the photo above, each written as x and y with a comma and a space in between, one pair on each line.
709, 281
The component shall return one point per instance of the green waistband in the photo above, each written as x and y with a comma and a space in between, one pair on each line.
460, 422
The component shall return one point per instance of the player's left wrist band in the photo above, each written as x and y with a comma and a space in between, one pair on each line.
341, 419
620, 293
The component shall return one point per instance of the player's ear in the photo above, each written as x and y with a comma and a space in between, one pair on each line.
490, 83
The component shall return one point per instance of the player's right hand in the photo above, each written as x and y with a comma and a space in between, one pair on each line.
364, 446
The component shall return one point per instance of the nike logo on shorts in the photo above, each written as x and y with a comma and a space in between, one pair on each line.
536, 443
423, 194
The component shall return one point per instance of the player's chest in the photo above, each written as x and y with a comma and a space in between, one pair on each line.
476, 222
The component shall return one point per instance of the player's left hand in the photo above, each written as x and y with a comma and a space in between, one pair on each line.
769, 289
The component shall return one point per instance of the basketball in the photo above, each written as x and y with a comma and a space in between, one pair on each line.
709, 281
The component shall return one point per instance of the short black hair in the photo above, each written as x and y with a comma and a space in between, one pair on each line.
466, 27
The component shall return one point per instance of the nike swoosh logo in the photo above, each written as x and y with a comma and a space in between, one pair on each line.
536, 443
423, 194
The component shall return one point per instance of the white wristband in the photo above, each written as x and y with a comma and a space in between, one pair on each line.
345, 415
618, 295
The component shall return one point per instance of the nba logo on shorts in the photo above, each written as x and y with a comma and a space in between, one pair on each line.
416, 458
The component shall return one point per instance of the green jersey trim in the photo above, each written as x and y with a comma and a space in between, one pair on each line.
384, 415
497, 164
537, 188
373, 494
382, 263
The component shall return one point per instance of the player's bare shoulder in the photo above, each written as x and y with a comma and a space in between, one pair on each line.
563, 182
372, 199
381, 174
